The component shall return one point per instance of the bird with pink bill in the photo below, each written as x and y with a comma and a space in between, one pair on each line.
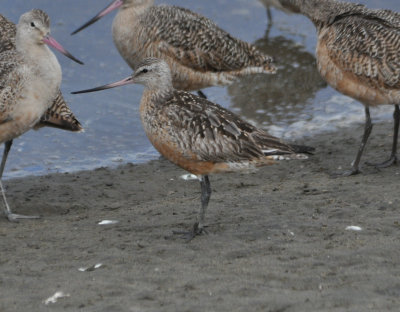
30, 79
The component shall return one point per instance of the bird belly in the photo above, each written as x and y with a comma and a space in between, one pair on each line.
29, 108
348, 83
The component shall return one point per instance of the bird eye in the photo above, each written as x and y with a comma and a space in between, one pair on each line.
33, 24
145, 70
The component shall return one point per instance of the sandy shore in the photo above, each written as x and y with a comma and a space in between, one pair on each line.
277, 238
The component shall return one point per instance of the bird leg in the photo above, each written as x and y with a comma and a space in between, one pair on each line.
367, 131
201, 94
269, 15
205, 198
393, 156
198, 226
10, 216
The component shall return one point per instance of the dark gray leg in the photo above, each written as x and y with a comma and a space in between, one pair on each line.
198, 227
367, 131
269, 25
11, 216
393, 156
205, 198
7, 147
201, 94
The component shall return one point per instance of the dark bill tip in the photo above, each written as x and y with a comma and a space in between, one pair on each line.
91, 90
111, 7
107, 86
92, 21
74, 58
53, 43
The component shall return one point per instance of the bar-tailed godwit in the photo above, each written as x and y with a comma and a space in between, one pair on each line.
358, 55
198, 135
199, 53
30, 78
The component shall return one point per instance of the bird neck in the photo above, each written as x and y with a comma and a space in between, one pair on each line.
126, 21
321, 12
23, 43
159, 88
153, 101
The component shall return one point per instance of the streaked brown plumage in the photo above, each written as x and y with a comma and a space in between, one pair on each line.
198, 135
357, 54
199, 53
7, 34
59, 115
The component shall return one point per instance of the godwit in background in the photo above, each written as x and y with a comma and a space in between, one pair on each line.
358, 55
198, 135
30, 78
199, 53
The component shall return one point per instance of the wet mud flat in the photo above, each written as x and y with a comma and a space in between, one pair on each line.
277, 238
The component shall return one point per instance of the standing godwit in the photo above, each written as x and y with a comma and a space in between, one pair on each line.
198, 135
358, 55
59, 115
30, 78
199, 53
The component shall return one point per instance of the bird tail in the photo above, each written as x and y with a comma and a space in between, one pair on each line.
60, 116
298, 152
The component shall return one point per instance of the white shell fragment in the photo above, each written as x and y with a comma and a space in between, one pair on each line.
108, 222
353, 228
91, 268
189, 176
55, 297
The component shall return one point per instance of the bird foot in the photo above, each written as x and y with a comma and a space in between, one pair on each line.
189, 235
346, 173
387, 163
13, 217
201, 94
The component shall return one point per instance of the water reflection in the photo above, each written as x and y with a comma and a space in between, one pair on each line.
283, 97
271, 5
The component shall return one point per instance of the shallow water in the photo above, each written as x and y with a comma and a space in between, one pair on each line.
292, 104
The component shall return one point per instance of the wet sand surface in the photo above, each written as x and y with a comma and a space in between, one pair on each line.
277, 238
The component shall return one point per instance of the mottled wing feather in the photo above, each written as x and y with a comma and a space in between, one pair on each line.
196, 42
215, 134
367, 44
10, 80
60, 116
8, 31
